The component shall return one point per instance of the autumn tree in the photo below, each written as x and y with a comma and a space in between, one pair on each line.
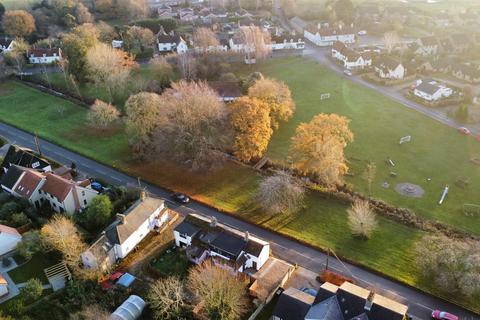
162, 70
82, 14
361, 219
17, 55
62, 235
452, 265
167, 299
280, 193
222, 293
318, 147
369, 175
109, 68
250, 80
250, 120
31, 243
106, 33
390, 39
138, 37
102, 114
32, 290
277, 96
195, 128
75, 46
255, 41
18, 23
143, 111
204, 38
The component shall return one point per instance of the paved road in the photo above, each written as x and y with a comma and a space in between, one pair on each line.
292, 251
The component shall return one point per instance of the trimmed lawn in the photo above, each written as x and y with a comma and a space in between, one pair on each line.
436, 151
34, 267
172, 263
322, 223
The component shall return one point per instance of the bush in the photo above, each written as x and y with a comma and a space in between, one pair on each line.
8, 209
98, 212
19, 219
33, 290
147, 53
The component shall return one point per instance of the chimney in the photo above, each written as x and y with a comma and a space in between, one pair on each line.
247, 235
122, 218
143, 195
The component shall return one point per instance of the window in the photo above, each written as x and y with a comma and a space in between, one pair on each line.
83, 193
84, 202
62, 210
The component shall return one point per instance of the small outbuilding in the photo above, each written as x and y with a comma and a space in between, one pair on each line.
9, 238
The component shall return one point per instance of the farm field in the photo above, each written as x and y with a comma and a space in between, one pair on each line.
322, 223
436, 152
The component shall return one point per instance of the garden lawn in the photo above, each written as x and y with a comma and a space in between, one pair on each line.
34, 267
172, 263
436, 152
322, 223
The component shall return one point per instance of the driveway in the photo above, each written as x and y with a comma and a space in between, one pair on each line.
420, 304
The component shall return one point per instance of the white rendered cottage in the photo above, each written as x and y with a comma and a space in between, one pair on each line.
171, 43
204, 238
9, 238
327, 36
389, 68
351, 59
122, 236
431, 90
44, 56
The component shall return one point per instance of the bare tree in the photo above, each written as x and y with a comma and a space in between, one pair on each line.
361, 219
102, 114
204, 40
61, 234
195, 128
138, 37
167, 298
390, 39
109, 68
281, 193
369, 175
222, 293
256, 42
18, 54
162, 70
186, 65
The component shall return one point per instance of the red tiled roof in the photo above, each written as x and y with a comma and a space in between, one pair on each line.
57, 186
38, 53
28, 183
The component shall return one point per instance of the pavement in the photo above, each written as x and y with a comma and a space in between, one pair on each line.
420, 304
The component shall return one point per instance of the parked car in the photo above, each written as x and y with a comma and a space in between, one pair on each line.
348, 72
464, 130
181, 198
442, 315
110, 281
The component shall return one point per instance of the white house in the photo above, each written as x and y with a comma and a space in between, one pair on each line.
171, 43
287, 42
62, 194
326, 36
389, 68
6, 45
9, 238
239, 250
430, 90
351, 59
122, 236
44, 56
24, 157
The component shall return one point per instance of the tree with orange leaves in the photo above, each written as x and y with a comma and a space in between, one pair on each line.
250, 120
318, 147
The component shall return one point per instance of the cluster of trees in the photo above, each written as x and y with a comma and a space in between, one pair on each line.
221, 294
452, 264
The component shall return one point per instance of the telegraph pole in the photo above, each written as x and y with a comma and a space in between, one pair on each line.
37, 144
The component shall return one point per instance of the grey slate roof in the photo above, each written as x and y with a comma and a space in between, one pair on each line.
427, 88
187, 228
326, 310
11, 177
292, 305
229, 243
23, 157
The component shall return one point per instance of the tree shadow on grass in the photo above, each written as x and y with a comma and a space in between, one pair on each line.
84, 131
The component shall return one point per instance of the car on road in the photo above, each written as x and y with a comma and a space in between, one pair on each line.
180, 197
348, 72
442, 315
464, 130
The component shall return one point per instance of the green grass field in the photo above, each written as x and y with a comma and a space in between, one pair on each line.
19, 4
436, 151
322, 223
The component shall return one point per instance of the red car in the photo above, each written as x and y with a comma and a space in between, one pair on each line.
464, 130
110, 282
442, 315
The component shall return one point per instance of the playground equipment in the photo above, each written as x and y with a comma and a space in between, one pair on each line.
444, 194
325, 96
405, 139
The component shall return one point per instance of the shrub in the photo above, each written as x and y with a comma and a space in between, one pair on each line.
19, 219
33, 290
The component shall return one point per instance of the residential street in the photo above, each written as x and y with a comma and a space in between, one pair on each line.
292, 251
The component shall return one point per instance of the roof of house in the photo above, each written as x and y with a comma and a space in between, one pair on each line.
57, 186
386, 63
226, 88
429, 41
4, 42
187, 228
352, 298
28, 183
384, 308
328, 31
119, 231
11, 177
286, 38
328, 309
229, 243
466, 69
9, 230
427, 87
168, 38
40, 52
293, 304
313, 29
23, 157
